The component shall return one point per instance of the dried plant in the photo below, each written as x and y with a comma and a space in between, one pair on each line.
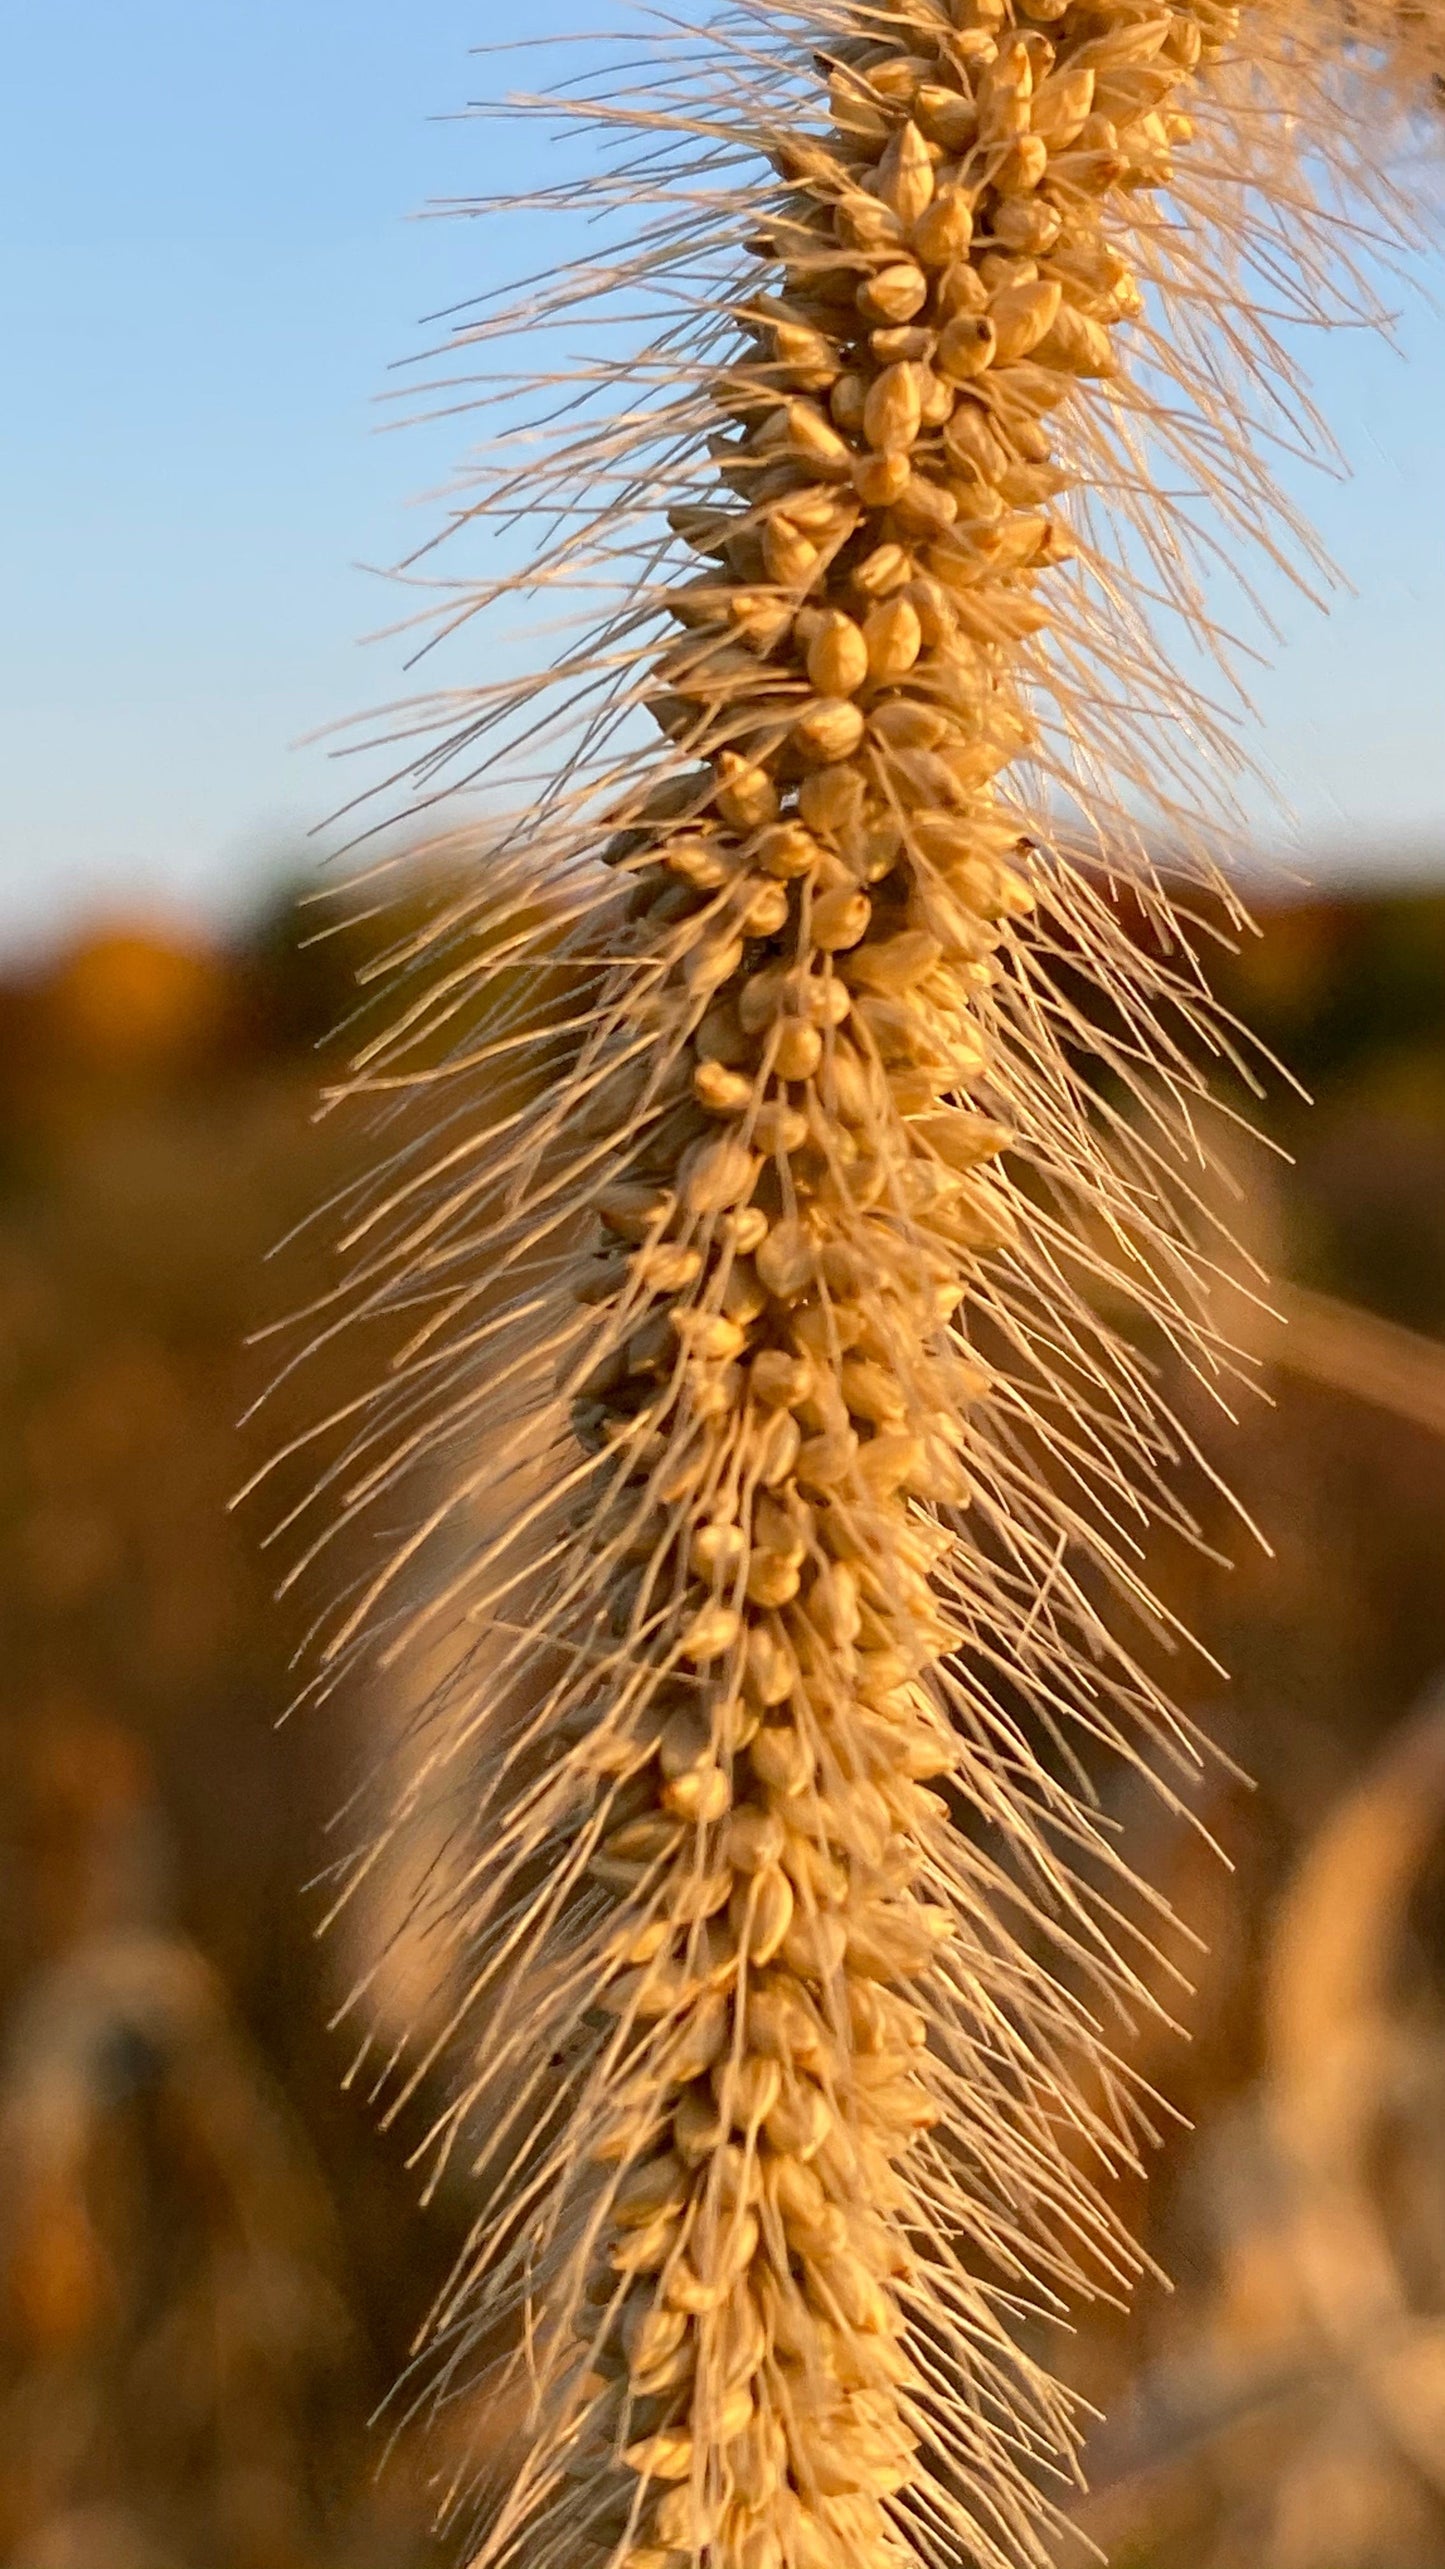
788, 1114
177, 2362
1290, 2414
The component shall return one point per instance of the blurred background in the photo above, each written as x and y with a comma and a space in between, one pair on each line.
212, 2263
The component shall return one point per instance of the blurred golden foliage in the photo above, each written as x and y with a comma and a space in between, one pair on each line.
174, 2339
192, 2332
123, 1000
211, 2264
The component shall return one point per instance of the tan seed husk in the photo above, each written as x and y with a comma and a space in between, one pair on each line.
772, 1097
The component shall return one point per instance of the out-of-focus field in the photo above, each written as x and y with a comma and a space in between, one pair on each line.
212, 2264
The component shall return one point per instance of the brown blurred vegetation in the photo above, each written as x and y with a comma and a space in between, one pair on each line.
212, 2265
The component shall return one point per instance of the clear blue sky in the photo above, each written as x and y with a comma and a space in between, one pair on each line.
205, 272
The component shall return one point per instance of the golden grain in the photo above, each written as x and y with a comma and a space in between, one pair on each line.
770, 1325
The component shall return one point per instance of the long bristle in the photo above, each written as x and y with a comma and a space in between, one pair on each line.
802, 1156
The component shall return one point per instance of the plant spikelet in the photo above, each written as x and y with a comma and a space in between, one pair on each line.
801, 1158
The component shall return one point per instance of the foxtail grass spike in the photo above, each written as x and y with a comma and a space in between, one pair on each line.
799, 1178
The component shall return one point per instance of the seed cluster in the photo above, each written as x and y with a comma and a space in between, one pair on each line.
779, 1378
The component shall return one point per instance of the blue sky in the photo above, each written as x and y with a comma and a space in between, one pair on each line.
205, 272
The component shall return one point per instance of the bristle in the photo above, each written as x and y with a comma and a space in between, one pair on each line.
808, 1161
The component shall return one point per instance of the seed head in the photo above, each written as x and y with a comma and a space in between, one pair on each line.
780, 1443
